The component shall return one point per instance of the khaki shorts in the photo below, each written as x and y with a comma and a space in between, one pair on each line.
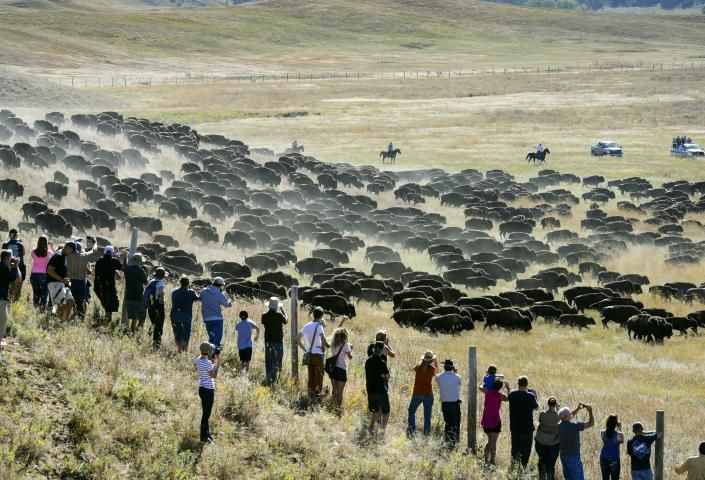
59, 293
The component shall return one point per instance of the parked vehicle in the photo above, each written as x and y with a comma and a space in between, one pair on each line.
606, 148
688, 150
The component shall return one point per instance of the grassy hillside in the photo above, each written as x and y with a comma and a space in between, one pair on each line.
329, 35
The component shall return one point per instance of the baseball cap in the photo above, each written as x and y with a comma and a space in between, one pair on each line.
109, 250
206, 348
71, 245
637, 426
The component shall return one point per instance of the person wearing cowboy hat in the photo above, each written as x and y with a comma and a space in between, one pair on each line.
449, 390
273, 321
212, 299
154, 296
425, 371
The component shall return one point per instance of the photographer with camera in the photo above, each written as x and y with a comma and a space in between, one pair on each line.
569, 440
58, 281
9, 274
207, 373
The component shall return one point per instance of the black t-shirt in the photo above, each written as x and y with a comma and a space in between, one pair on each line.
639, 449
273, 322
7, 276
105, 269
521, 411
375, 367
135, 280
371, 351
58, 261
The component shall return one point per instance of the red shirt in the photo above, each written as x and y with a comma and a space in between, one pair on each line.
423, 382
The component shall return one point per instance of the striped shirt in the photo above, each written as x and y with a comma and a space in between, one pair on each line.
204, 366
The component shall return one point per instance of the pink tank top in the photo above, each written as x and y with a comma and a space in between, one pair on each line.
490, 414
39, 264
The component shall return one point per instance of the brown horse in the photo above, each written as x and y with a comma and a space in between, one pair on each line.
392, 156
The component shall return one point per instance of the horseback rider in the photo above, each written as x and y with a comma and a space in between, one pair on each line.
294, 145
390, 147
539, 149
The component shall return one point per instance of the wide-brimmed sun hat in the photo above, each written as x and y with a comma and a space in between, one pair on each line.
428, 356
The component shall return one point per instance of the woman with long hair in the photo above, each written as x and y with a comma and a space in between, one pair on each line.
491, 420
38, 275
342, 350
612, 438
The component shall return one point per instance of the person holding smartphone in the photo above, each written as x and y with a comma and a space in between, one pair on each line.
612, 438
569, 440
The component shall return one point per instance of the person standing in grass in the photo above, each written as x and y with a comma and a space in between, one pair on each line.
106, 271
135, 280
207, 373
639, 450
522, 403
491, 420
58, 282
312, 340
422, 394
154, 299
273, 322
693, 466
181, 314
79, 268
342, 351
612, 438
547, 447
212, 299
15, 245
9, 275
569, 440
244, 340
449, 392
38, 275
376, 376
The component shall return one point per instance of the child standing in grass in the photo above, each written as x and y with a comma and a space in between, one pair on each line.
244, 340
207, 373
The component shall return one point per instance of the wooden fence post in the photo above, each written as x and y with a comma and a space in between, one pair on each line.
658, 451
294, 297
472, 399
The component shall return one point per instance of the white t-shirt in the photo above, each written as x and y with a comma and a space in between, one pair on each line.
308, 332
342, 361
448, 386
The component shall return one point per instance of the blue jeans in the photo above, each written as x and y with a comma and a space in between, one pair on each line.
572, 467
427, 401
273, 357
215, 332
78, 290
40, 292
642, 474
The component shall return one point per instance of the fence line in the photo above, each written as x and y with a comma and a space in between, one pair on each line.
84, 81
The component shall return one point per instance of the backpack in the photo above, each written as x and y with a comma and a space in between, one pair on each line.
149, 296
641, 450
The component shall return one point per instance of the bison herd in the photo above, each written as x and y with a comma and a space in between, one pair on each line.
257, 214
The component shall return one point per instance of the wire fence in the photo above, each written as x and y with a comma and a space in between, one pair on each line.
86, 81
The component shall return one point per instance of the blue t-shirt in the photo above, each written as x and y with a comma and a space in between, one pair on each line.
244, 333
488, 381
569, 438
182, 303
